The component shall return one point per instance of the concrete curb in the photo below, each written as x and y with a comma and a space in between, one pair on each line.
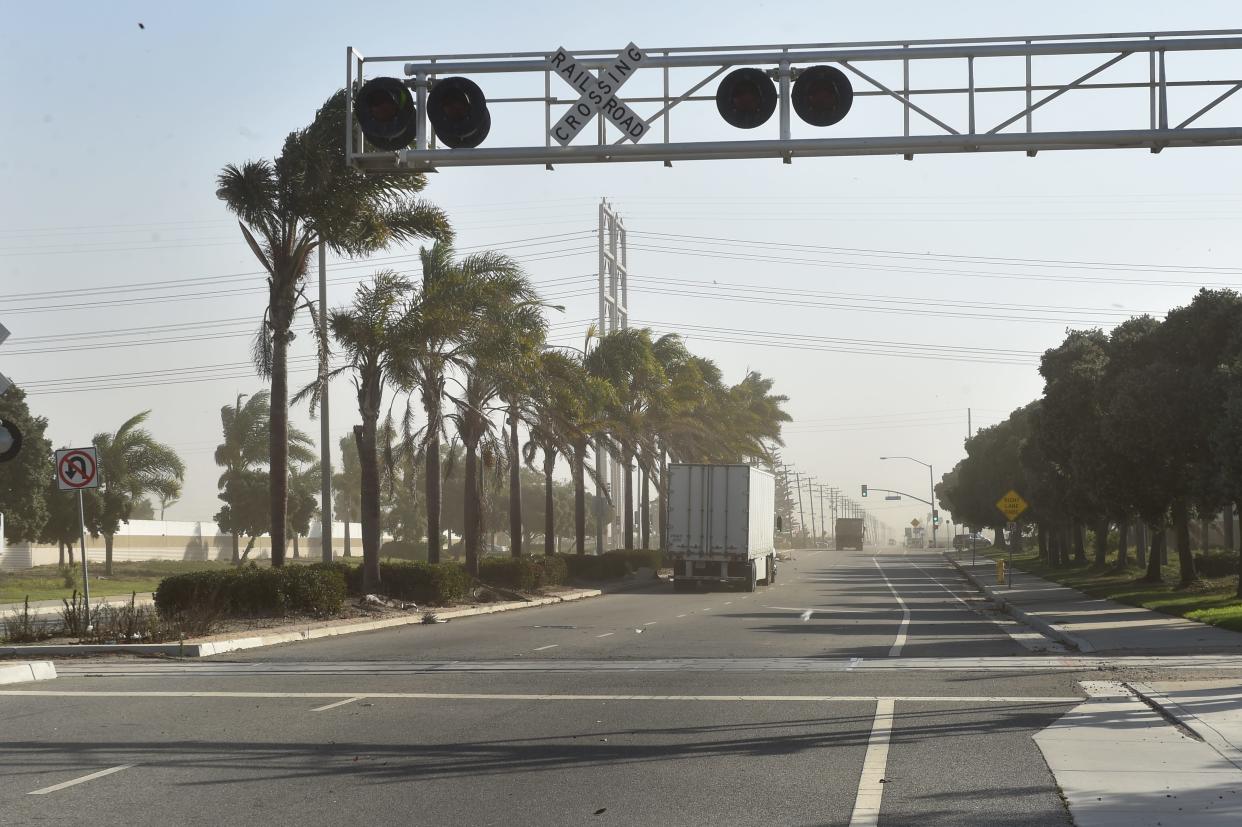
1049, 629
1173, 710
35, 670
204, 648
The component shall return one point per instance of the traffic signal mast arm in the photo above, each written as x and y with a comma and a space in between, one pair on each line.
902, 493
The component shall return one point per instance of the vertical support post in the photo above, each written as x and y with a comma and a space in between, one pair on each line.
1164, 95
810, 492
420, 94
905, 94
1151, 87
349, 104
86, 569
1014, 536
783, 76
601, 456
970, 94
668, 113
931, 487
325, 430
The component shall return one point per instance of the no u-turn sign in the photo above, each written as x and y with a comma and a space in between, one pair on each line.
77, 468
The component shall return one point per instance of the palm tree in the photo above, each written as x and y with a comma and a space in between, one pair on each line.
627, 360
449, 305
372, 334
508, 331
286, 209
347, 487
132, 463
564, 413
245, 446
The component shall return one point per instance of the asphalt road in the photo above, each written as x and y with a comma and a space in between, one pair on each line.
898, 694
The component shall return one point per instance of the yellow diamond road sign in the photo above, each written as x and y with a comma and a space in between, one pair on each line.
914, 523
1011, 505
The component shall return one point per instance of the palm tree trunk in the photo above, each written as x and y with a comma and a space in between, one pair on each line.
662, 497
1101, 543
515, 485
1181, 525
472, 530
368, 459
549, 517
433, 482
1154, 555
236, 555
108, 554
278, 435
628, 500
643, 507
579, 461
348, 550
1228, 518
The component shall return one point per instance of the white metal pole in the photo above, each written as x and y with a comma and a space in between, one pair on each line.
86, 570
325, 439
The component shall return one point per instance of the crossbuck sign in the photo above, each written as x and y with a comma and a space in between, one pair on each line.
599, 94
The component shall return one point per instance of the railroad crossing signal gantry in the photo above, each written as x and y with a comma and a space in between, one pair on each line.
1141, 89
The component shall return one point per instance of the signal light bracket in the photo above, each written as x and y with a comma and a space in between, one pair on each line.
1181, 86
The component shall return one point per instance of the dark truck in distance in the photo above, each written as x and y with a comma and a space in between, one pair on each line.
850, 532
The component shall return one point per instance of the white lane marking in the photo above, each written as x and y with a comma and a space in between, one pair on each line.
549, 646
651, 623
482, 696
895, 651
335, 705
728, 602
606, 634
62, 785
871, 783
681, 616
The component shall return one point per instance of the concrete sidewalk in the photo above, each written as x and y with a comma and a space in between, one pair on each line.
1092, 624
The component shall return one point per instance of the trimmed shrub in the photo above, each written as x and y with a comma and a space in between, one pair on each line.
404, 550
436, 584
611, 565
523, 573
1216, 563
252, 591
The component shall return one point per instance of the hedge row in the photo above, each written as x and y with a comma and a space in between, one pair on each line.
1216, 563
433, 584
523, 573
612, 565
251, 591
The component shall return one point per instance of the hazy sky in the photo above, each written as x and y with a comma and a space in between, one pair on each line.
113, 135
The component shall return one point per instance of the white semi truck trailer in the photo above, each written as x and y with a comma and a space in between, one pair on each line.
721, 525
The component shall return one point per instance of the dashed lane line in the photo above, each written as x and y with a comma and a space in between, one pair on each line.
895, 651
549, 646
74, 782
871, 783
606, 634
326, 707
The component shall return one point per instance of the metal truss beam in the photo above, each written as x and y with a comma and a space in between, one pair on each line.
1143, 126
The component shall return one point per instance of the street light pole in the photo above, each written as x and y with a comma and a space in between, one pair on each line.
931, 487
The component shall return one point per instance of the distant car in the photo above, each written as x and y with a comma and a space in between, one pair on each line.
966, 541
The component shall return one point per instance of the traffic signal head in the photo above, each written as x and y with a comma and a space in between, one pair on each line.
746, 98
822, 95
935, 518
457, 109
10, 440
386, 113
864, 490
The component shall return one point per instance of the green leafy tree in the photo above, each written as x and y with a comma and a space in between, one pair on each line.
303, 501
245, 509
245, 426
347, 488
450, 303
286, 208
371, 332
131, 463
23, 479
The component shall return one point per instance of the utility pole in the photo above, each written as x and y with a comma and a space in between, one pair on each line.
325, 431
613, 316
810, 492
798, 485
823, 518
969, 430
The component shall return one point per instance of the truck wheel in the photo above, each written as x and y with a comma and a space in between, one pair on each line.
752, 582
